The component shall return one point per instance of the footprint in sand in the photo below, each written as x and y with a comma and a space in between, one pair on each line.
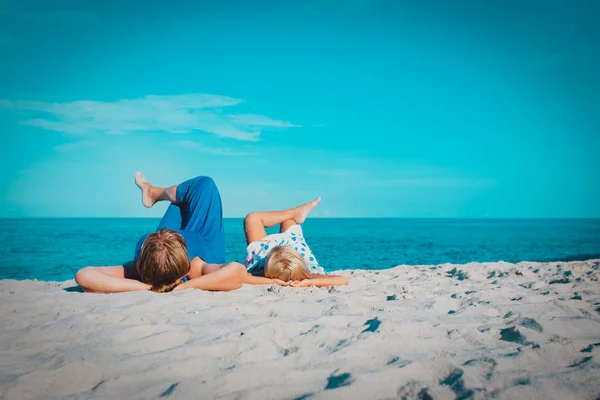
340, 345
456, 383
590, 348
458, 274
522, 382
484, 365
512, 334
559, 281
445, 304
531, 324
68, 380
398, 362
287, 352
413, 390
169, 390
372, 325
581, 362
337, 381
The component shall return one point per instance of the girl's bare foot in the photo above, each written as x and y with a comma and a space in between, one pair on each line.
303, 210
140, 181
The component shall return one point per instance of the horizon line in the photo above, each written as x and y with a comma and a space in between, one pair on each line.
430, 218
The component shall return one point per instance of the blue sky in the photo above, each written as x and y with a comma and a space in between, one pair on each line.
384, 108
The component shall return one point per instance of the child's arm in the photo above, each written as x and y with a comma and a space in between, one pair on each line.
261, 280
319, 280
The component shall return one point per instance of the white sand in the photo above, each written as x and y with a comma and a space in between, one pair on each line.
264, 342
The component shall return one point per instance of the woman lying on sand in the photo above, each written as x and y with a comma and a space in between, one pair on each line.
283, 258
191, 229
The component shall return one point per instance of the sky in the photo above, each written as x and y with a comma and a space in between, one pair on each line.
434, 108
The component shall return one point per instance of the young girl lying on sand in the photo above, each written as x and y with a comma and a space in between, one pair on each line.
283, 258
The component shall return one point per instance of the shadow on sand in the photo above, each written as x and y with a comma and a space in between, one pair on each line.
75, 288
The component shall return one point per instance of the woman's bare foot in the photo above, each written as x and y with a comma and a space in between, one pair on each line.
303, 210
147, 199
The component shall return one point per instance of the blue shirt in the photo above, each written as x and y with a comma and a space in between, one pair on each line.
210, 250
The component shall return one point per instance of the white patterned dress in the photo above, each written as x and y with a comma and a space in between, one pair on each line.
259, 250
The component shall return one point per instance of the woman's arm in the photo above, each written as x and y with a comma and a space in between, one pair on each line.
200, 267
108, 279
322, 280
226, 277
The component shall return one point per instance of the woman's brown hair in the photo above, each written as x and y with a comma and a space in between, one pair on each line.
163, 260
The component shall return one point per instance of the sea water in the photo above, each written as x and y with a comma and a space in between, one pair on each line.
54, 249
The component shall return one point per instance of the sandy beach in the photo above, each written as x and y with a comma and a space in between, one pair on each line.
480, 330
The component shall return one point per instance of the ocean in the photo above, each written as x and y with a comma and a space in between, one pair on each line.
53, 249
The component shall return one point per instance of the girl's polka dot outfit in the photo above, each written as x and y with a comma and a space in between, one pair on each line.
259, 250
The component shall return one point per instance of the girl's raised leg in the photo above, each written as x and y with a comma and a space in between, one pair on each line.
285, 225
256, 222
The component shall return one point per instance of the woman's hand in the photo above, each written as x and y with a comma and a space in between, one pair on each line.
281, 283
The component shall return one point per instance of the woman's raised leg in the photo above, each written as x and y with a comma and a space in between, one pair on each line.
196, 208
152, 194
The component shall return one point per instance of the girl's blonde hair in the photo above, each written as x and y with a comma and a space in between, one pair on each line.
163, 260
286, 264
